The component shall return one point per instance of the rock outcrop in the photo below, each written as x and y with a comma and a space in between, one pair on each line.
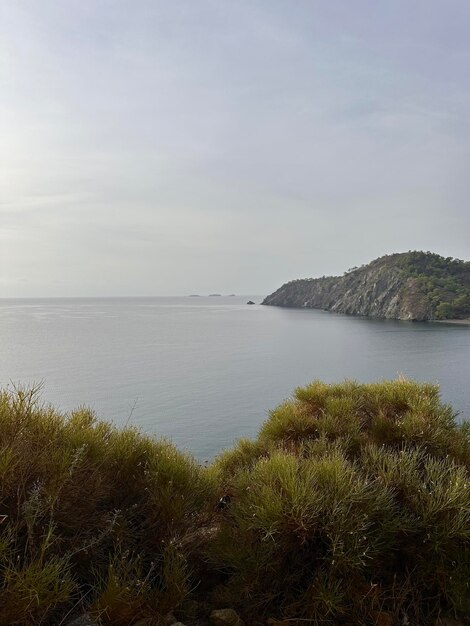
406, 286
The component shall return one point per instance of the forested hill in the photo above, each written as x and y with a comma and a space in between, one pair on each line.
406, 286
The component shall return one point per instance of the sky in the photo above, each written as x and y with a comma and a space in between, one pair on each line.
150, 147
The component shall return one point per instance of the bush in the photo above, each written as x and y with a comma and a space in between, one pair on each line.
355, 502
351, 507
92, 515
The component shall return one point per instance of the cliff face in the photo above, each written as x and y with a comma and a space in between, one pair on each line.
394, 286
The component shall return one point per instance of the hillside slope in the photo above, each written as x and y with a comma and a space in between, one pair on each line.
405, 286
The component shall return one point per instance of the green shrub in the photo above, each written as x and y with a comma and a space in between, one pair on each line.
355, 502
351, 507
89, 511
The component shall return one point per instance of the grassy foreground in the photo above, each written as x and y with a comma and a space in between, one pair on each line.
351, 507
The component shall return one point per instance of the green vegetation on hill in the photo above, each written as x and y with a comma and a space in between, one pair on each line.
352, 506
407, 286
444, 281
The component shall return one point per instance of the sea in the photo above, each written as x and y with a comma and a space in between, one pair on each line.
205, 371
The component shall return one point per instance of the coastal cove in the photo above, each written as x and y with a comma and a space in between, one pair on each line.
205, 371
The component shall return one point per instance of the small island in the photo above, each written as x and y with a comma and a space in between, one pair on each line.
417, 286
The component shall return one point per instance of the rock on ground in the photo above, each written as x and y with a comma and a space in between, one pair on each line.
225, 617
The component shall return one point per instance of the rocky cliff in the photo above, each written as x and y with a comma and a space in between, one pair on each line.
405, 286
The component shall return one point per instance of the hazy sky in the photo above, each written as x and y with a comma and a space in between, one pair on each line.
166, 147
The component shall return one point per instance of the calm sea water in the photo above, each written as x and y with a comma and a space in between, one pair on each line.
205, 371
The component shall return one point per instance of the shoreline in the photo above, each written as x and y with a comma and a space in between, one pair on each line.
464, 322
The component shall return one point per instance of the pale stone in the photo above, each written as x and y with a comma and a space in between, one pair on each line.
226, 617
